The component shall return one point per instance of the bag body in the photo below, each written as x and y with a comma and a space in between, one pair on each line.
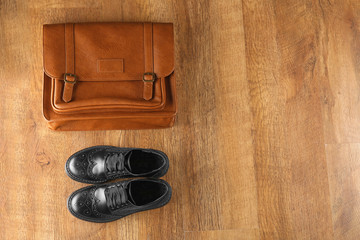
104, 76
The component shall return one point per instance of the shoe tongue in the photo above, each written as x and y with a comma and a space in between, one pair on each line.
127, 161
129, 191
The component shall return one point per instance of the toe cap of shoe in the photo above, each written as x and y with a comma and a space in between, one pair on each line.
77, 167
79, 203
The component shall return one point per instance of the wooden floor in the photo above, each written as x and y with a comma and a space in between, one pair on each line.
267, 140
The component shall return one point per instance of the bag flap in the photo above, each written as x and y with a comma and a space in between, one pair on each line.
108, 51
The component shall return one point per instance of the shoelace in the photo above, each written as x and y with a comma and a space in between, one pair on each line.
115, 162
116, 196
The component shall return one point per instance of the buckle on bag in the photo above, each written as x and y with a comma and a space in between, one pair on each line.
70, 75
149, 74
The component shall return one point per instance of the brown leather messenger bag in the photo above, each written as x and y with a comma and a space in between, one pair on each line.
100, 76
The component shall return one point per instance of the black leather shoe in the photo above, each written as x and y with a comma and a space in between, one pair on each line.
102, 163
112, 201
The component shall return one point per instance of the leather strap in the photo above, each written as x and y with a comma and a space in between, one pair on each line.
69, 76
149, 62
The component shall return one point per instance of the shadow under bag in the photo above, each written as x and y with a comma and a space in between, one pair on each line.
103, 76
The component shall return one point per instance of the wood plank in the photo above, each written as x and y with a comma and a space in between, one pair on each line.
282, 46
220, 190
340, 91
237, 234
234, 149
344, 178
200, 190
340, 107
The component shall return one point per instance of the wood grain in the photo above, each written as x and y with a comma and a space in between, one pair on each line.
266, 142
340, 107
235, 234
282, 70
344, 170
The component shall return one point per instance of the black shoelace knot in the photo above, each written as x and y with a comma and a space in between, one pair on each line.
115, 162
116, 197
